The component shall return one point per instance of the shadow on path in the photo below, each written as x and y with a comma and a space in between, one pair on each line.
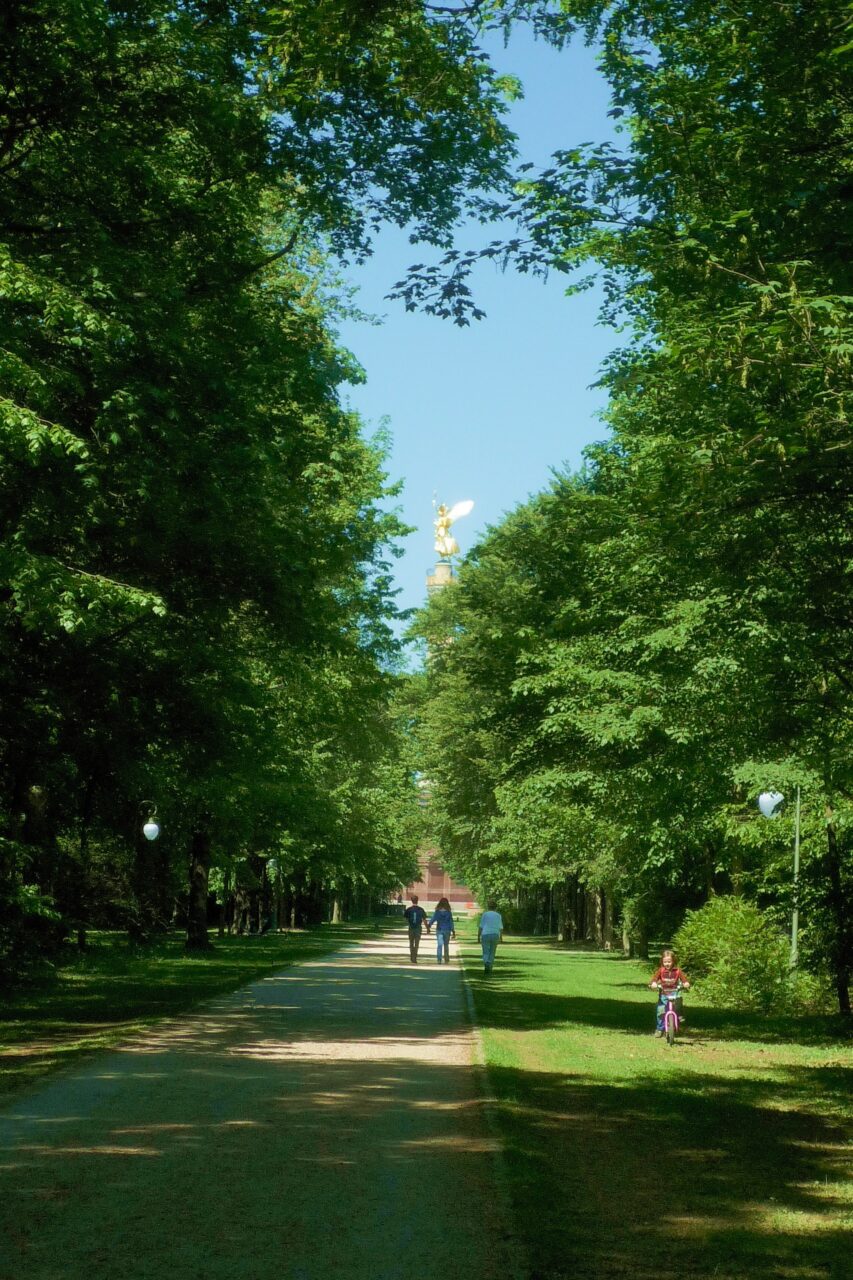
323, 1122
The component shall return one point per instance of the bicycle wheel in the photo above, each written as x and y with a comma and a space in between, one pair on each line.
670, 1029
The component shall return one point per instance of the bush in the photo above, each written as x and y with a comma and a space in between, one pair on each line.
31, 933
738, 959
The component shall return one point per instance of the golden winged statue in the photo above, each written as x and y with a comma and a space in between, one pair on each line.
445, 543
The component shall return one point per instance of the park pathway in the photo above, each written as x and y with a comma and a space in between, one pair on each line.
323, 1122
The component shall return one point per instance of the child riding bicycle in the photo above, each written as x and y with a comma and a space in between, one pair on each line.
667, 981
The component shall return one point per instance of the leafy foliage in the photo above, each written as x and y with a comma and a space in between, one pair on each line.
741, 959
31, 934
647, 645
195, 538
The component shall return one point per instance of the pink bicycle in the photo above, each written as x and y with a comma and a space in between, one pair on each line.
671, 1018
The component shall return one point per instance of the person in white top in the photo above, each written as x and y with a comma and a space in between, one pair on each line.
489, 933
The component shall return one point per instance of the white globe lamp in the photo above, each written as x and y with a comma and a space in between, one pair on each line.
151, 827
770, 803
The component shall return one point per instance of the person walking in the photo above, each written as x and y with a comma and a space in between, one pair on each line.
490, 932
445, 929
415, 918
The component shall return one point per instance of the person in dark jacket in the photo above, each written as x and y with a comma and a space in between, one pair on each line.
415, 918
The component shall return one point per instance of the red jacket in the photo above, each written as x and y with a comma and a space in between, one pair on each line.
669, 978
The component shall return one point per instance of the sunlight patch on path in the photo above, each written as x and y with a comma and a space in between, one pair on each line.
323, 1122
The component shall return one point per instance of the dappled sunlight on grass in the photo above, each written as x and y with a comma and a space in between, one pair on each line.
449, 1142
723, 1154
82, 1150
723, 1157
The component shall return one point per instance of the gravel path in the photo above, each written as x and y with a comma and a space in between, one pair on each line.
324, 1122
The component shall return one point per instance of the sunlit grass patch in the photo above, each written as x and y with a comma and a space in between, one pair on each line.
721, 1157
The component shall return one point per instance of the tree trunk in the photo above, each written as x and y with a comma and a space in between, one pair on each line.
590, 908
606, 920
276, 902
539, 922
710, 863
562, 921
139, 923
841, 952
299, 909
315, 903
223, 906
242, 904
80, 884
163, 887
14, 827
285, 907
197, 939
149, 882
572, 902
635, 930
336, 907
597, 917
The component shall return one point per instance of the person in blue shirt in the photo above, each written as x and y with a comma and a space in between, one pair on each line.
415, 917
442, 918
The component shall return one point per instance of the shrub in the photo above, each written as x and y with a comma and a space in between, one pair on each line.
737, 957
31, 933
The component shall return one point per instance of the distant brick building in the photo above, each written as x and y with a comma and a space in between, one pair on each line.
434, 883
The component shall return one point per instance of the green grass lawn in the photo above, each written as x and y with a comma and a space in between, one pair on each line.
97, 998
727, 1156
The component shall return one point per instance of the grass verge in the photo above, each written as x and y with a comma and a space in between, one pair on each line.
724, 1157
96, 998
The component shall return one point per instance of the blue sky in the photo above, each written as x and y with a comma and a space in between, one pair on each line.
488, 411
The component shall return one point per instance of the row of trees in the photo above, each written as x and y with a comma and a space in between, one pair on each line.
195, 591
196, 543
631, 656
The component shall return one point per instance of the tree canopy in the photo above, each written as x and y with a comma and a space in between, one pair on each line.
196, 537
643, 648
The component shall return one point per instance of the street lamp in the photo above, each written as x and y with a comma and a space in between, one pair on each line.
770, 804
150, 828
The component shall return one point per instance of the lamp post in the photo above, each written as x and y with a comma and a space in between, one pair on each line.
150, 828
770, 804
